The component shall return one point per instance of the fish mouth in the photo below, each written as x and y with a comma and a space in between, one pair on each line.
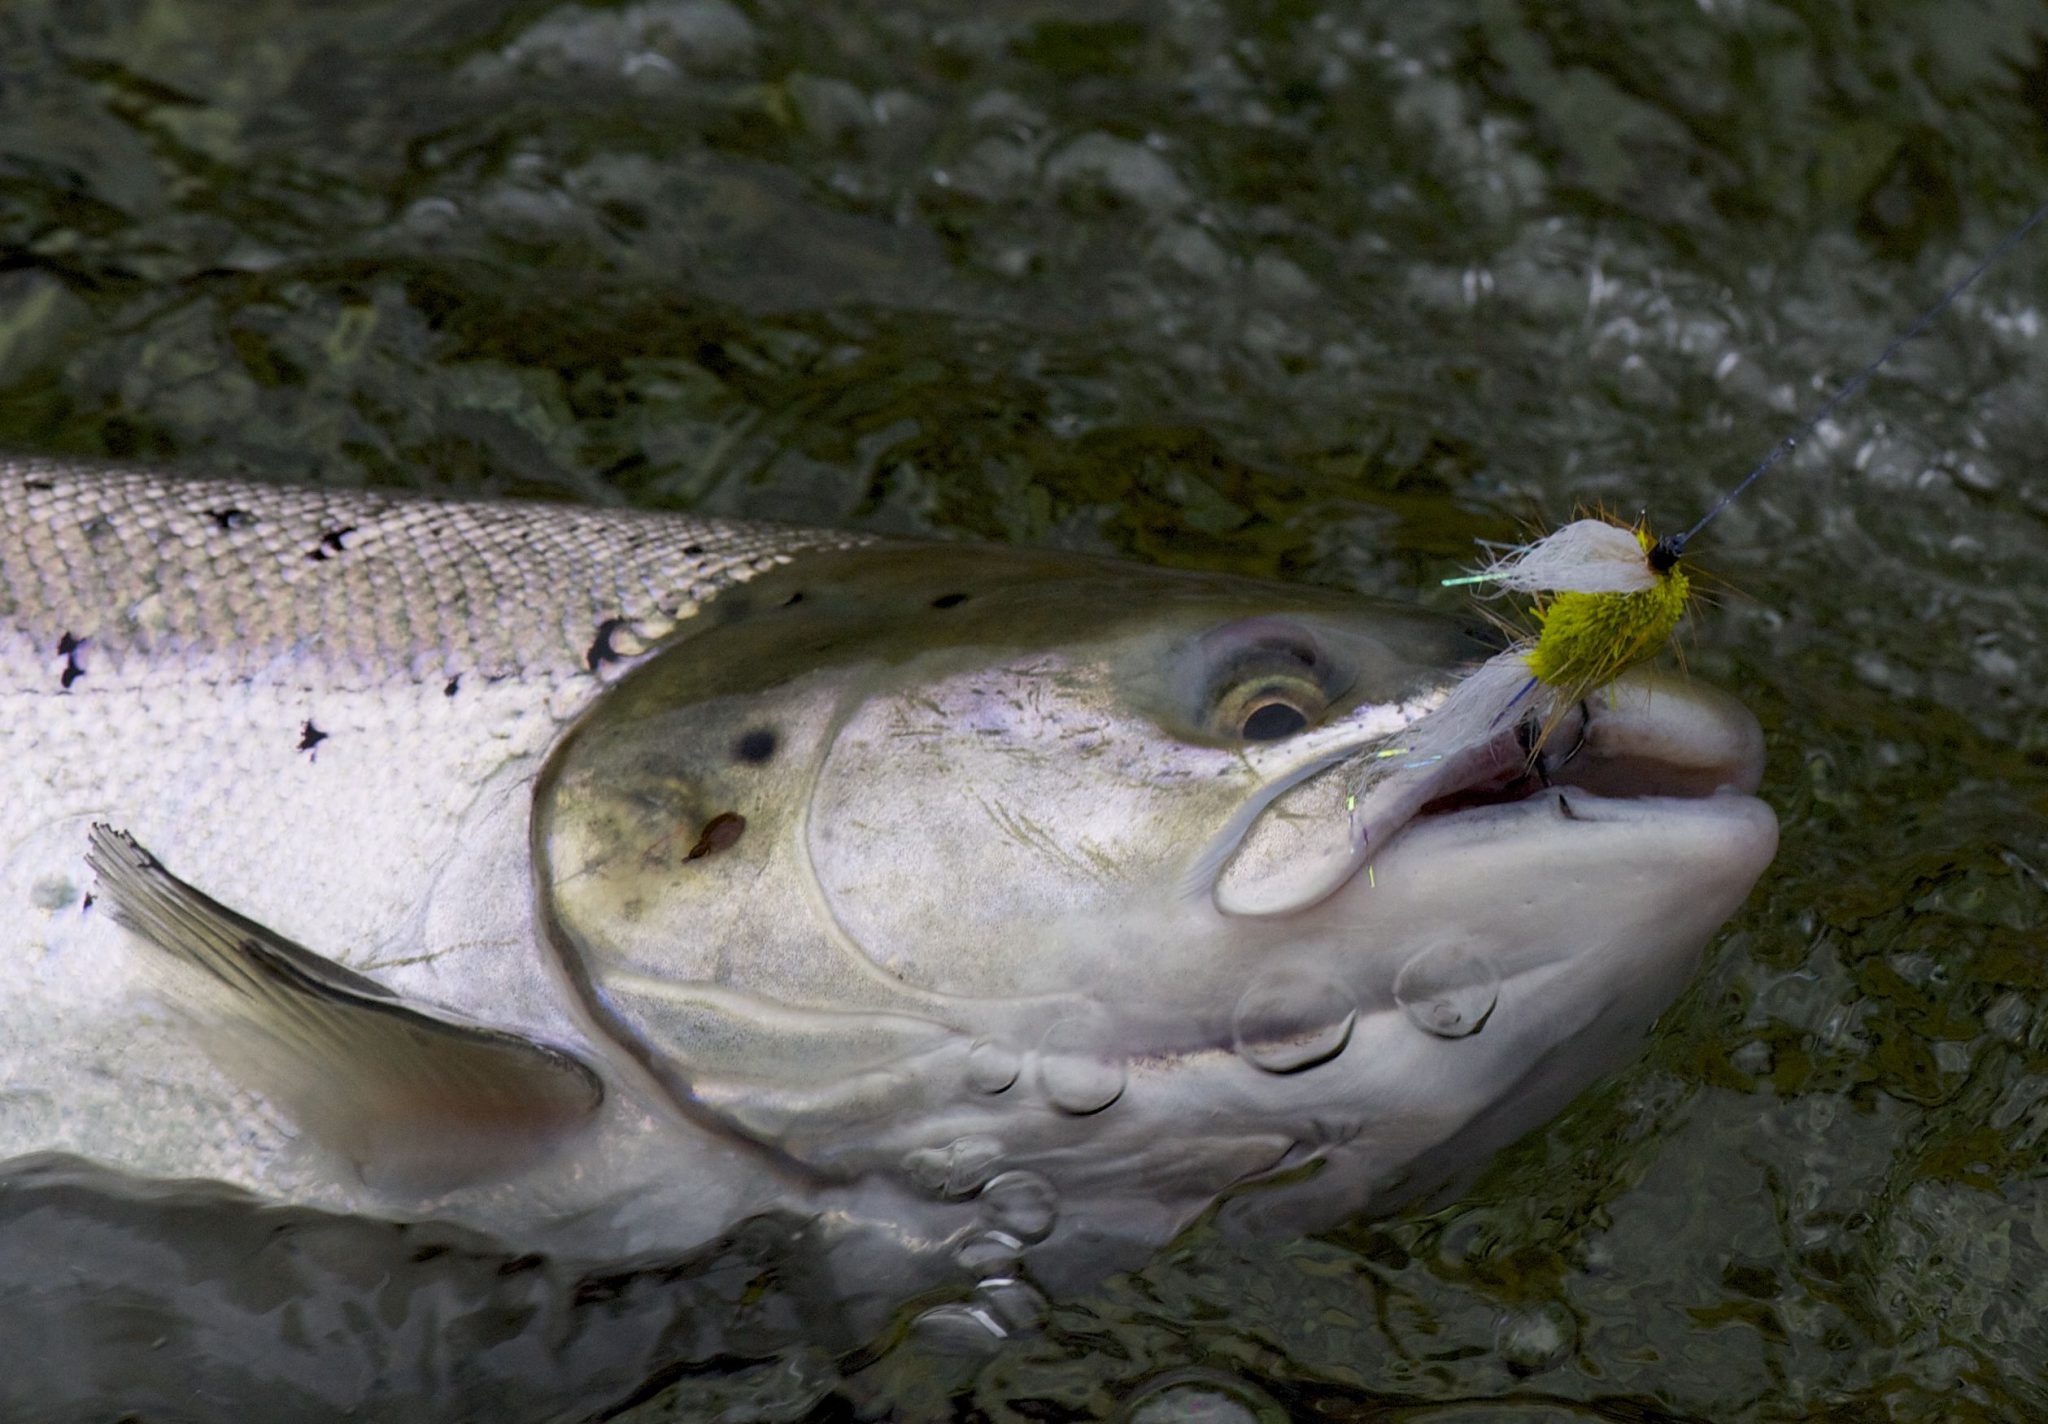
1649, 742
1644, 739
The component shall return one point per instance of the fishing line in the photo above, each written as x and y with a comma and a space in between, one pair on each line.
1672, 548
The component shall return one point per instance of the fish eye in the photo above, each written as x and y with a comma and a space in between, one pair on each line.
1270, 697
1251, 681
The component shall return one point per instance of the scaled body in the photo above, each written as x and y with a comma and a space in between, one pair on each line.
950, 897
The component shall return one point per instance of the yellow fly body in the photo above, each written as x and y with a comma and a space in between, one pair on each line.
1586, 640
1604, 599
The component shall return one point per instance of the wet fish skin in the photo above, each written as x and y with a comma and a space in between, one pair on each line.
882, 889
308, 700
142, 617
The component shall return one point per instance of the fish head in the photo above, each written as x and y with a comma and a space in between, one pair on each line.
948, 865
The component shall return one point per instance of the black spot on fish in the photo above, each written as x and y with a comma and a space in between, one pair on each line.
67, 649
86, 903
949, 600
454, 686
691, 551
334, 541
756, 746
601, 649
720, 832
38, 486
793, 599
231, 519
310, 736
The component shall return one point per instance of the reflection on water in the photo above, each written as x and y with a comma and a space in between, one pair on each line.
190, 1302
1275, 287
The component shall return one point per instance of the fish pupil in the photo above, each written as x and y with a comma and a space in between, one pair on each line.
1273, 721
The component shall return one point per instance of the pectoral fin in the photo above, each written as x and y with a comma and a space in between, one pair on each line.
422, 1103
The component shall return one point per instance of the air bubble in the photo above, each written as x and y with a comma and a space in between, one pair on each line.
1448, 991
1289, 1022
1077, 1076
1021, 1204
1000, 1307
956, 1169
1015, 1306
991, 1067
989, 1253
958, 1330
1200, 1396
1537, 1338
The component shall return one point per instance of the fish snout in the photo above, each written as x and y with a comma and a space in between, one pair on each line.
1655, 733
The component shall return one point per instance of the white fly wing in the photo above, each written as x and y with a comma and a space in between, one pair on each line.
1585, 556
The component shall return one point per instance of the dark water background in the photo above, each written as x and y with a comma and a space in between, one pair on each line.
1291, 288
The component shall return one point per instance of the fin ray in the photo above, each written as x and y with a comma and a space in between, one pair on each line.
420, 1101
